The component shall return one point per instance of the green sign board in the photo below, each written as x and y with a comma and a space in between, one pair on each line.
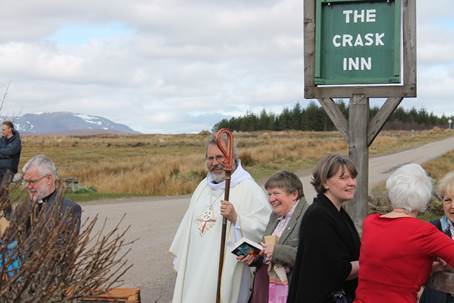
357, 42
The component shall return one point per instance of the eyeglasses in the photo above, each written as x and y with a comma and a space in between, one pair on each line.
33, 181
218, 158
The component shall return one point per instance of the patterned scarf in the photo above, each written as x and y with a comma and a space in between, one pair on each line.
447, 226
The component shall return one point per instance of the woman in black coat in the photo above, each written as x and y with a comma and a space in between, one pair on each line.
328, 251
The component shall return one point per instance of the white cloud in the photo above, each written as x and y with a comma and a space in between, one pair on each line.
178, 65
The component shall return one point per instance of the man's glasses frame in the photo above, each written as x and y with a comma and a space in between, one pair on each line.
33, 181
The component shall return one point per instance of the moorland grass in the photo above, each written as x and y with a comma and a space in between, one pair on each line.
436, 169
174, 164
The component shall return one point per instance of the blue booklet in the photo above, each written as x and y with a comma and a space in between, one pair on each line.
246, 247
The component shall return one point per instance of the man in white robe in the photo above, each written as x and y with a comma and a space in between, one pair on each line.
197, 241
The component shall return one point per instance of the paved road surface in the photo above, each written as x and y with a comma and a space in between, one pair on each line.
154, 222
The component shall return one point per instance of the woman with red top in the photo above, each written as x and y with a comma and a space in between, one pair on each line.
397, 249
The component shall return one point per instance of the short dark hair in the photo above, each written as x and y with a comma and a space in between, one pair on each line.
328, 167
8, 123
286, 181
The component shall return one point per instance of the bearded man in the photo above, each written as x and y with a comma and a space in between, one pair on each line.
197, 241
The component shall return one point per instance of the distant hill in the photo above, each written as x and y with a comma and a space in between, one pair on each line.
66, 123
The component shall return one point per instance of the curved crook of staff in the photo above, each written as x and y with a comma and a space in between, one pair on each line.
224, 141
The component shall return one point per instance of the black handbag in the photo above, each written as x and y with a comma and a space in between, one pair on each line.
340, 297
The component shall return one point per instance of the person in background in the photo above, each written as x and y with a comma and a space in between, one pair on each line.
10, 149
446, 225
196, 244
286, 197
40, 179
397, 249
326, 265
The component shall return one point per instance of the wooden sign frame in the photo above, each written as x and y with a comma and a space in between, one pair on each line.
408, 89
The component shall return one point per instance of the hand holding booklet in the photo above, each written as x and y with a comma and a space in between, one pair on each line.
246, 247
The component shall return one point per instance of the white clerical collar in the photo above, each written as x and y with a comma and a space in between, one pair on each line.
238, 176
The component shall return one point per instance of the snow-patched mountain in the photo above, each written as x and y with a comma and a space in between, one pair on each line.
66, 123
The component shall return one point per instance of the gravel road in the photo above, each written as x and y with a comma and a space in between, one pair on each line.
154, 222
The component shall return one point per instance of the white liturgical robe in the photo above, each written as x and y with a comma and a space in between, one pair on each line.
197, 241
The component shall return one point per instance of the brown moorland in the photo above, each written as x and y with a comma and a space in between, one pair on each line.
436, 169
174, 164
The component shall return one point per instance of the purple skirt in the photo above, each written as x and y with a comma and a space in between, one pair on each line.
261, 284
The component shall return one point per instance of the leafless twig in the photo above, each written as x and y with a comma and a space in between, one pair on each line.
44, 258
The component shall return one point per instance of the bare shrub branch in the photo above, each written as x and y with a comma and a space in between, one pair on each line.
44, 258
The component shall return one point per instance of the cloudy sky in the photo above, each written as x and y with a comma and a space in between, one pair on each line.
174, 66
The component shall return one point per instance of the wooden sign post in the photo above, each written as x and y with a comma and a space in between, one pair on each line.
359, 49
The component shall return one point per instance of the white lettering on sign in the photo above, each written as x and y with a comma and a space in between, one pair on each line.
378, 38
352, 16
360, 16
368, 39
357, 63
370, 15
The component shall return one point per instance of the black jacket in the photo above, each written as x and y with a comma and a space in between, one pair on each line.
67, 207
10, 152
328, 243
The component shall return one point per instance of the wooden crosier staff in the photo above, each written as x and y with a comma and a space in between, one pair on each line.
226, 147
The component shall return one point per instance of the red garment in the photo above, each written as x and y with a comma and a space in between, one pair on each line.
396, 258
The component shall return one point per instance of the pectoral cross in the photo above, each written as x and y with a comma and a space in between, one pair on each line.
206, 221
